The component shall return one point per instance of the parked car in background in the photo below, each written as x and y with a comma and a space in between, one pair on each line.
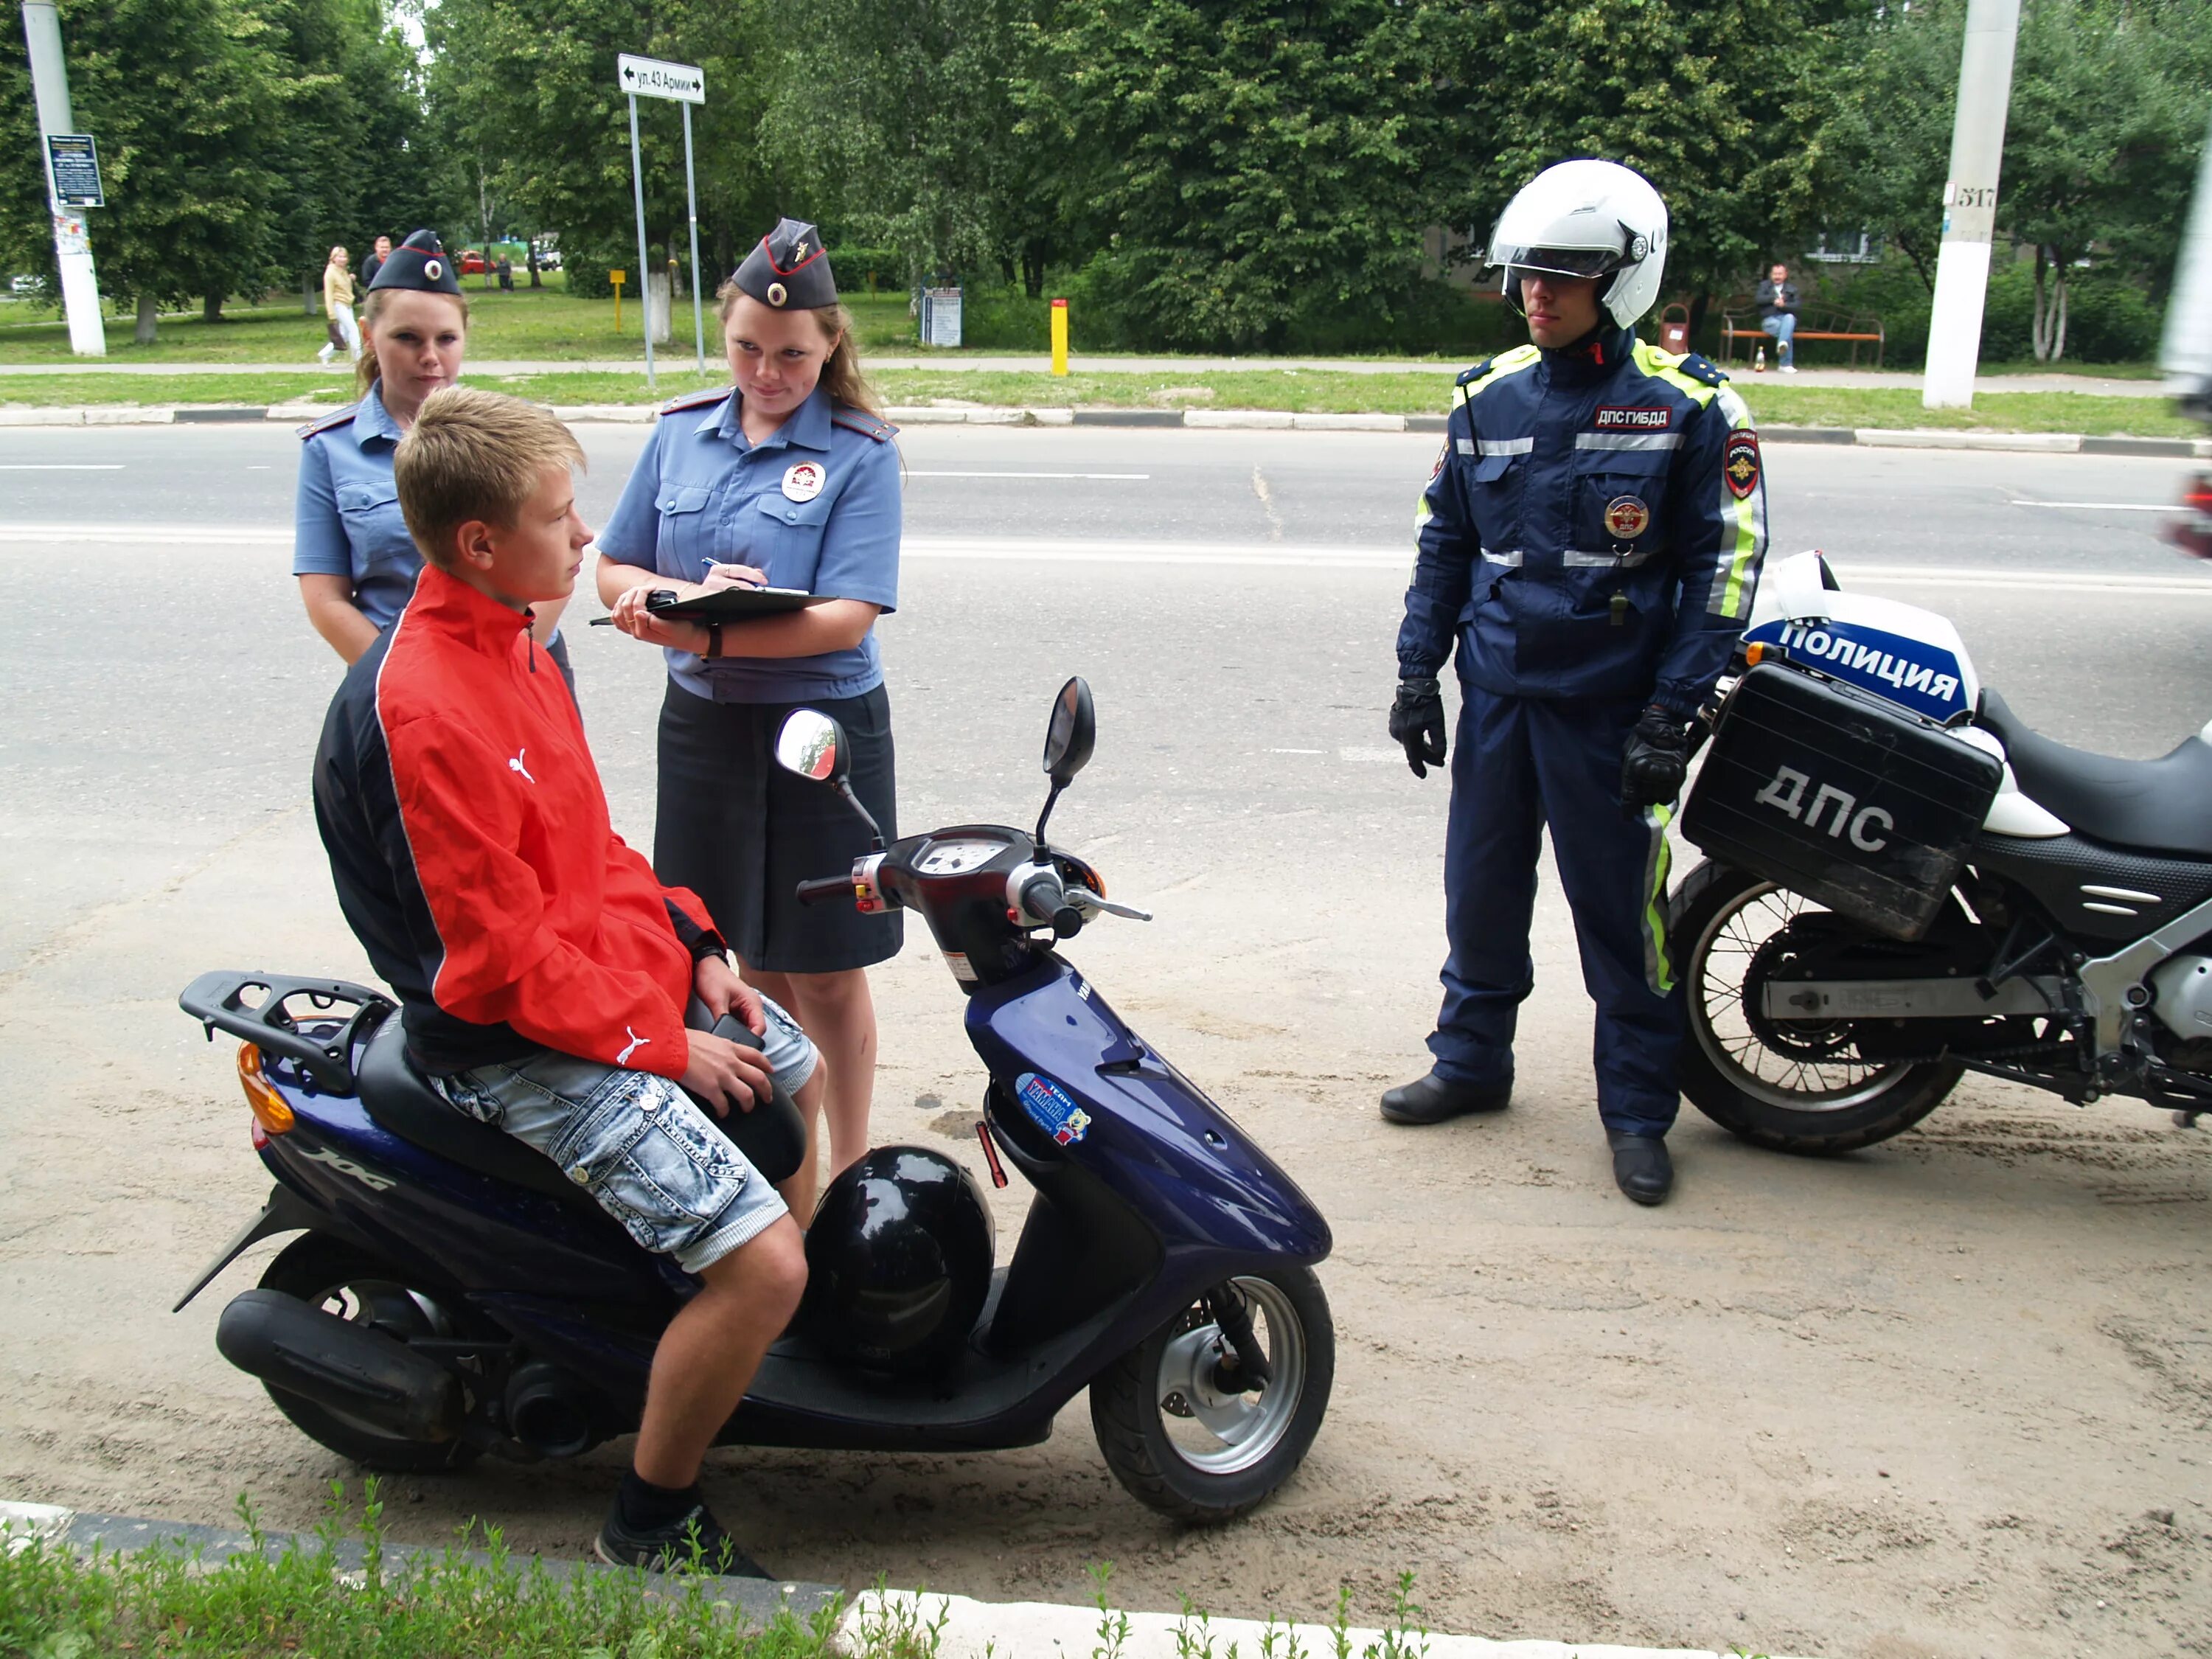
472, 262
24, 287
549, 258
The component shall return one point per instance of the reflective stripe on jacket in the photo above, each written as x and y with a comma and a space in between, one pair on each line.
1594, 528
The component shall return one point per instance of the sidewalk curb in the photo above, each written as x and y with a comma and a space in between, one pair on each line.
971, 1629
1195, 420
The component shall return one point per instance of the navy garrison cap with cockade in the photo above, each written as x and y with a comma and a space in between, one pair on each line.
788, 270
420, 262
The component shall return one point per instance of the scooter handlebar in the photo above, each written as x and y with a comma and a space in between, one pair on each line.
813, 892
1045, 897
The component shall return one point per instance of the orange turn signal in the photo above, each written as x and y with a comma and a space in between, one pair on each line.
271, 1109
1753, 654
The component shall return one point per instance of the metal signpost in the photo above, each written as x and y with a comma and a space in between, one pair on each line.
68, 155
684, 84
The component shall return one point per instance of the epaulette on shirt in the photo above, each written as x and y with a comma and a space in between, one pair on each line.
326, 424
859, 421
1702, 369
1469, 377
1504, 363
694, 400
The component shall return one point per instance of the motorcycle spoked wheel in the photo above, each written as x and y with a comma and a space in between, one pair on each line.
1788, 1086
1178, 1435
340, 1278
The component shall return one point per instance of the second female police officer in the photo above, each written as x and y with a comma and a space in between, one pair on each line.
789, 477
1589, 543
351, 550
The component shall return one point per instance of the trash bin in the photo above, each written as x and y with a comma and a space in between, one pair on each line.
1674, 328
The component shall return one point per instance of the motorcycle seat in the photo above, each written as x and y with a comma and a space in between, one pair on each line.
2162, 806
394, 1093
402, 1102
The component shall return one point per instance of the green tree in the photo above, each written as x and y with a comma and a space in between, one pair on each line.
180, 95
900, 122
1236, 161
1726, 109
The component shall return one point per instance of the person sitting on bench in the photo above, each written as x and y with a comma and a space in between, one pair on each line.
1778, 315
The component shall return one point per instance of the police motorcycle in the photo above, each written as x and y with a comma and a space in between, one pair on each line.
452, 1292
1904, 883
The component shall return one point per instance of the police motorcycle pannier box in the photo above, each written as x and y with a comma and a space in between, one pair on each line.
1839, 796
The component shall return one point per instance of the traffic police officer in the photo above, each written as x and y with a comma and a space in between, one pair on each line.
787, 478
1589, 541
355, 562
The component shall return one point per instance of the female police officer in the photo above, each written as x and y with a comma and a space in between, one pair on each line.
1588, 545
355, 561
787, 478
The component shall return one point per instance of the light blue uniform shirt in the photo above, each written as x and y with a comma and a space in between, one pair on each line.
346, 517
701, 494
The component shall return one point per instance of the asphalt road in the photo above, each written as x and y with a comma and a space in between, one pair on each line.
1232, 598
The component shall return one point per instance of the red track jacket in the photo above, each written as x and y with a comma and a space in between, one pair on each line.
468, 835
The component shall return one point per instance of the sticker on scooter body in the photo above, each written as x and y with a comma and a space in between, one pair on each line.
1050, 1109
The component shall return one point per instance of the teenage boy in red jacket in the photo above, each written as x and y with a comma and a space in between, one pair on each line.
542, 968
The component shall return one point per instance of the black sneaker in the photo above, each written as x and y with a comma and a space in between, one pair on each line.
695, 1537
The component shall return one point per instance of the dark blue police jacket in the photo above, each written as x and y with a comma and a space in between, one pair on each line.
1594, 527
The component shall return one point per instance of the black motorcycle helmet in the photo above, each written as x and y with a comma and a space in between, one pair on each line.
898, 1260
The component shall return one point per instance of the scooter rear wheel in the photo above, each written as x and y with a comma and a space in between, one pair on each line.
1180, 1435
340, 1279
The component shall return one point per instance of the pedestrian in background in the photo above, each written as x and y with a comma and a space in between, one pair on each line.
350, 550
1778, 315
337, 310
374, 263
789, 478
1589, 541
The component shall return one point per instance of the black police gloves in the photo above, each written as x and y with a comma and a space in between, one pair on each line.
1657, 757
1417, 721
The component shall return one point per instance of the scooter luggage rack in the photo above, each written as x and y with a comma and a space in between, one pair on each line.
218, 999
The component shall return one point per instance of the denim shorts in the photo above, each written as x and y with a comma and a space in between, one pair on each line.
639, 1144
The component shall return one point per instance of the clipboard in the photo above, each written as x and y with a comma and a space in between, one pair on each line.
726, 604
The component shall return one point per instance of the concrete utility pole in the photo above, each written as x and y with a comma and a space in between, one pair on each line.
1970, 204
42, 33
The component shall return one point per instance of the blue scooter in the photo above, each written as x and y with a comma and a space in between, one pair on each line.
452, 1292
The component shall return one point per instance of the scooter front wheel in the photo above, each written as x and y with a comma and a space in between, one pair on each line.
1183, 1425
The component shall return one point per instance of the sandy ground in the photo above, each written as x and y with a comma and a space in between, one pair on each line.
1949, 1397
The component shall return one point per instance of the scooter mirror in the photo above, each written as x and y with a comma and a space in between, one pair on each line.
813, 745
1069, 736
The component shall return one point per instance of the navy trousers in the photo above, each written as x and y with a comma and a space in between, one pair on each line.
1522, 764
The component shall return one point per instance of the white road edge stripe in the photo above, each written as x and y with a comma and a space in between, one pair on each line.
1053, 550
2109, 506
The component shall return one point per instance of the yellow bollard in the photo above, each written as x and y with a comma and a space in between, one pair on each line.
1060, 336
617, 277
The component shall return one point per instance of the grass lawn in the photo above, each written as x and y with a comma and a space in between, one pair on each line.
544, 324
1319, 392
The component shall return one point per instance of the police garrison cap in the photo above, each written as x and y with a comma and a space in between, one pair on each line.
420, 262
789, 270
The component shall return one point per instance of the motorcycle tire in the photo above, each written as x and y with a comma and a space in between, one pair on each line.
329, 1273
1188, 1447
1702, 919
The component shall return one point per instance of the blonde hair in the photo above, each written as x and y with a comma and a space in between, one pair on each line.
474, 455
842, 372
366, 372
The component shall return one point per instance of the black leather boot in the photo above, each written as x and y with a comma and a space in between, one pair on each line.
1432, 1099
1641, 1166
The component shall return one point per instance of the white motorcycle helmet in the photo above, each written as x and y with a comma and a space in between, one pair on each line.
1586, 219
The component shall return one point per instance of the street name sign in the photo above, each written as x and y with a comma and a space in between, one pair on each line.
75, 160
649, 77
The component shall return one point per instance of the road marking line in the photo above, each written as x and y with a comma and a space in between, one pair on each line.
1052, 549
2109, 506
61, 466
1133, 477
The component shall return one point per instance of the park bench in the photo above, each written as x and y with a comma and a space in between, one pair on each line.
1740, 322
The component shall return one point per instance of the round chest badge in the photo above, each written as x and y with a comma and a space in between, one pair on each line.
802, 482
1626, 518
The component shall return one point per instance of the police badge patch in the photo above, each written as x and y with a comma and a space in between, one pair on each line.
1626, 518
1740, 462
1438, 470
